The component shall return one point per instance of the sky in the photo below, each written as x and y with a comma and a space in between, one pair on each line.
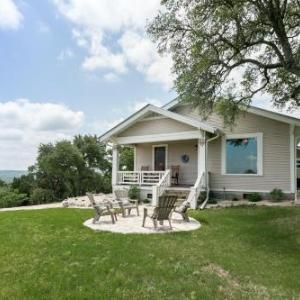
74, 67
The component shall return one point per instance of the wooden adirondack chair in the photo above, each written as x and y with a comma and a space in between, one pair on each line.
101, 209
125, 202
162, 211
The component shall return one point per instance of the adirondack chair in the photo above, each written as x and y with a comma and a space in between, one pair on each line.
175, 174
162, 211
101, 209
125, 202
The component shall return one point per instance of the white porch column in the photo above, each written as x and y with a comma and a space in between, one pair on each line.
115, 164
201, 153
201, 156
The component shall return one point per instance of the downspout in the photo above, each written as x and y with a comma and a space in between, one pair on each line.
206, 173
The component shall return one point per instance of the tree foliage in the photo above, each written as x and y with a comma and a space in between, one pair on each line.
226, 51
67, 169
126, 158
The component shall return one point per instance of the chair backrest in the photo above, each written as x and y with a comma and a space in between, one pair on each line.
166, 204
145, 168
120, 194
175, 171
91, 198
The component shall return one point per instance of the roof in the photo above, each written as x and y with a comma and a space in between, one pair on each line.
164, 112
252, 109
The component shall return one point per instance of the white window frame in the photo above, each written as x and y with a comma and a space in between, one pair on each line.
259, 138
166, 158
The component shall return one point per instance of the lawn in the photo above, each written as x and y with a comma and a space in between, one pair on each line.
239, 253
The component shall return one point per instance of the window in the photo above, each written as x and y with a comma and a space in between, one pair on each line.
242, 154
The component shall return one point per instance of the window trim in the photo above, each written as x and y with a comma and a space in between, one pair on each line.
259, 138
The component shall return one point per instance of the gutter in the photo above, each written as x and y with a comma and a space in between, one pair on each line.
203, 205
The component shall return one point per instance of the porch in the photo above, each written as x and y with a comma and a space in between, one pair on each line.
154, 166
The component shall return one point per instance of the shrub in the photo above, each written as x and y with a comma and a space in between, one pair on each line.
40, 196
9, 198
235, 198
276, 195
212, 201
134, 192
254, 197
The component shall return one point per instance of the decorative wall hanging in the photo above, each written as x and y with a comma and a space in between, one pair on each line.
185, 158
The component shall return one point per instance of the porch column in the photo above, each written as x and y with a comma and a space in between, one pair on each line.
201, 156
115, 164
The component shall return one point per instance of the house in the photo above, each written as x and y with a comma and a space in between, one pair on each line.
257, 155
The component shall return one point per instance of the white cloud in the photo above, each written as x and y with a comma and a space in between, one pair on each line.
111, 77
65, 54
10, 16
141, 52
25, 124
113, 33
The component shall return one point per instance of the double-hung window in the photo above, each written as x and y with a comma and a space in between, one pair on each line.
242, 154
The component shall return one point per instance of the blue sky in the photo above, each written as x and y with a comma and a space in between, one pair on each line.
76, 66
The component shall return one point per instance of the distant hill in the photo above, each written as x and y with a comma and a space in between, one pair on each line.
8, 175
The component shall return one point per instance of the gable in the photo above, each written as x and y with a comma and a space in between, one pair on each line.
152, 112
155, 126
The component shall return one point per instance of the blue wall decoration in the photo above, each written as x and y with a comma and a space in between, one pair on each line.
185, 158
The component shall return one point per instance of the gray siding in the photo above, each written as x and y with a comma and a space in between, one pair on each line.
276, 154
156, 126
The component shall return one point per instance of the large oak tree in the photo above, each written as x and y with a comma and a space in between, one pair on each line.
227, 51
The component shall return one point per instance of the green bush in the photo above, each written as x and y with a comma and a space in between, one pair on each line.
254, 197
40, 196
276, 195
9, 198
134, 192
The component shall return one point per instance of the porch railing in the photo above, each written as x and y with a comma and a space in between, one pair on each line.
161, 186
140, 177
199, 186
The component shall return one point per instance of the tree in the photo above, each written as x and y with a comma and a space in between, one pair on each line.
126, 158
227, 51
24, 184
93, 151
2, 183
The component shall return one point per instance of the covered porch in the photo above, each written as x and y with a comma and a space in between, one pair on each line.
159, 166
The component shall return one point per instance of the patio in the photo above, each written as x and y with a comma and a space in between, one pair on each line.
133, 224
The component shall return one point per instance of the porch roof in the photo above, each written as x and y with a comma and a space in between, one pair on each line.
161, 111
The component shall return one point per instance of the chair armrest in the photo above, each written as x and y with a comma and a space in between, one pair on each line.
135, 201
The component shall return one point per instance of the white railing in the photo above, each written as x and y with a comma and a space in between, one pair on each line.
161, 186
139, 177
198, 187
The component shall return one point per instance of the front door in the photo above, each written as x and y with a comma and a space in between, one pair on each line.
159, 156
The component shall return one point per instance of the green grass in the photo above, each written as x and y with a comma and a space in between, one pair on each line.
239, 253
